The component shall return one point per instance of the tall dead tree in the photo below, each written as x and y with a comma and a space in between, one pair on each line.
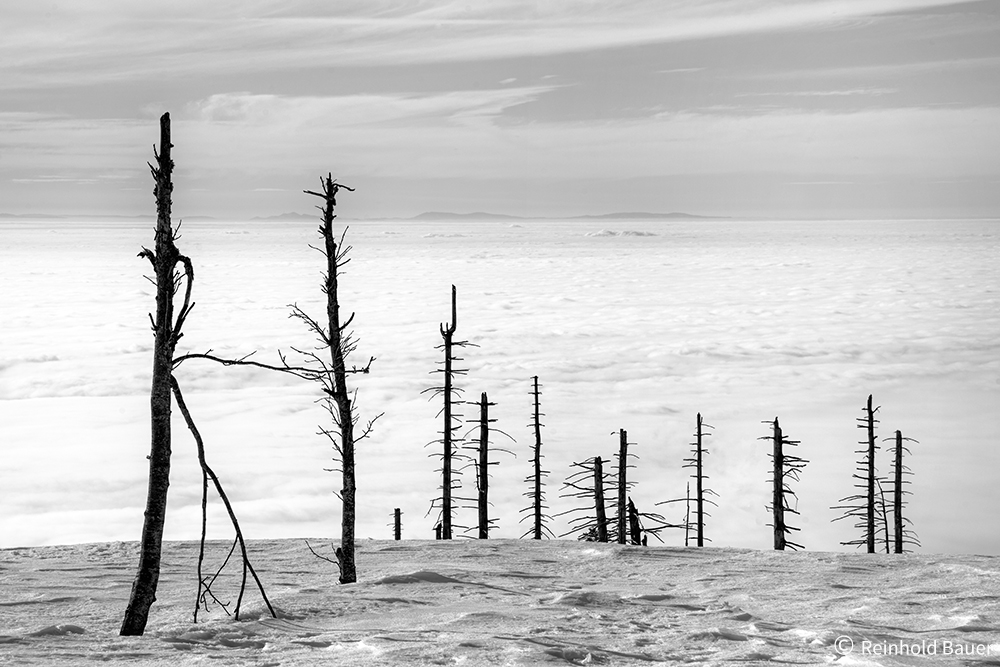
903, 535
338, 343
450, 437
165, 257
537, 509
862, 506
589, 484
785, 468
697, 463
482, 464
623, 488
167, 331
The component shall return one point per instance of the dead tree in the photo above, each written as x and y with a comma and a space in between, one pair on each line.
338, 343
397, 524
482, 464
785, 468
167, 331
862, 506
450, 437
165, 258
589, 484
536, 492
623, 487
903, 535
687, 516
696, 462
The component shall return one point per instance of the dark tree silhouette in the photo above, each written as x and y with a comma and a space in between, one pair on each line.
450, 437
590, 485
397, 524
481, 462
337, 342
536, 492
785, 468
167, 331
903, 535
862, 506
696, 462
165, 257
623, 487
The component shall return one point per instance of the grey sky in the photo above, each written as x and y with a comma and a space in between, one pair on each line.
822, 108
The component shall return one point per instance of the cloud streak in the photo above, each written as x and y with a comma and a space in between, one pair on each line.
117, 40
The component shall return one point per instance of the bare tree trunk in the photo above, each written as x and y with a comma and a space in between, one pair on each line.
700, 490
778, 493
599, 510
447, 333
634, 529
397, 524
337, 391
484, 466
870, 427
164, 258
622, 485
536, 422
897, 501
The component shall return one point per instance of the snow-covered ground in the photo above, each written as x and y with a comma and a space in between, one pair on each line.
504, 602
629, 324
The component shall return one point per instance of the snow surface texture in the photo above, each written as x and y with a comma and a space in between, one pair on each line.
503, 602
629, 324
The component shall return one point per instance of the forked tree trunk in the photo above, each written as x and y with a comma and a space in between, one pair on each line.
164, 259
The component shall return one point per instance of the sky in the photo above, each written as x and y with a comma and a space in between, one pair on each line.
773, 108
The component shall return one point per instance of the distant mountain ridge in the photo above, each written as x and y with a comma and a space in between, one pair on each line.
631, 215
429, 215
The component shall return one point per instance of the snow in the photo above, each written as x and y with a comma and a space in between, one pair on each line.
633, 324
478, 602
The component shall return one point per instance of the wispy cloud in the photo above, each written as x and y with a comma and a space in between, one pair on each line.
118, 40
823, 93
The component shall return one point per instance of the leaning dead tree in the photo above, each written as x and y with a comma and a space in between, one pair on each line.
536, 492
205, 583
643, 524
336, 343
697, 463
171, 271
862, 506
903, 535
481, 462
785, 468
450, 438
589, 484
